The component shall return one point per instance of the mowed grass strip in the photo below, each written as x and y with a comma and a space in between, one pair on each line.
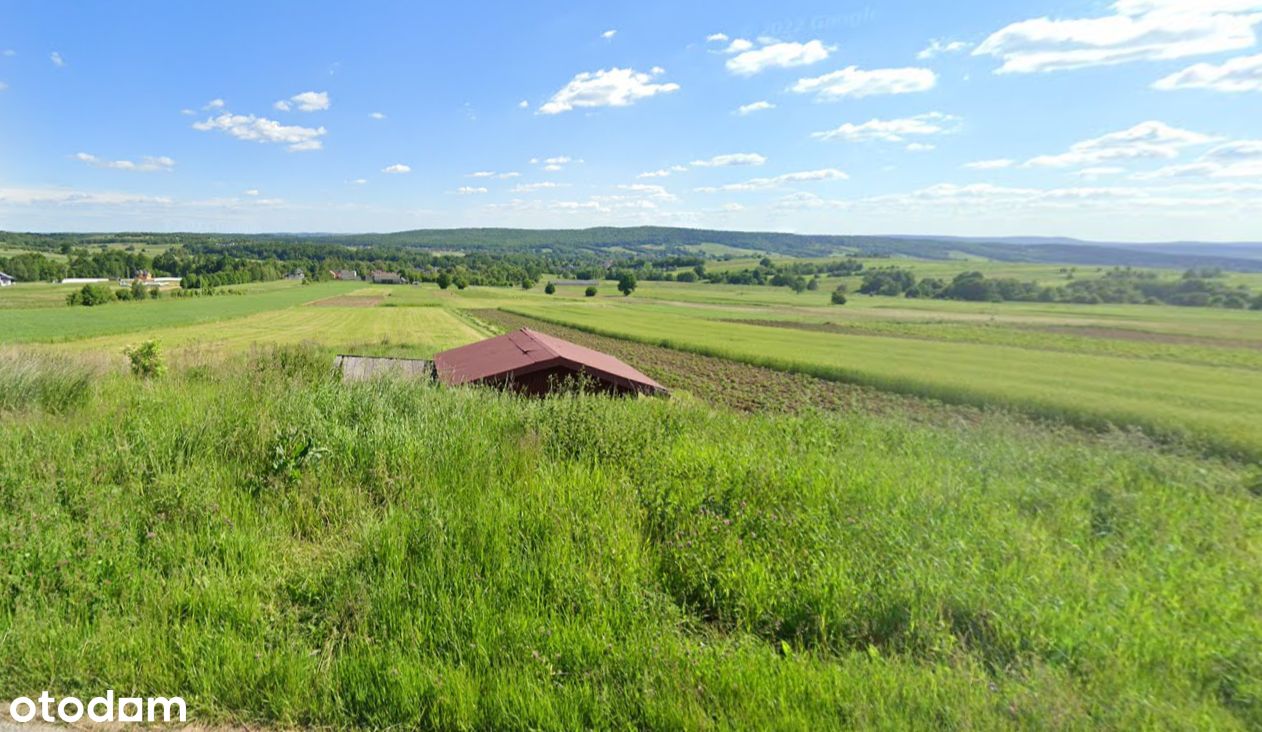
418, 332
50, 325
1215, 407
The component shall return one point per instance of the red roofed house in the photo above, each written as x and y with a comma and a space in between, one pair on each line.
532, 363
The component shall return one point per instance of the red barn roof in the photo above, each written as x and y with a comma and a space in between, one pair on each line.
526, 356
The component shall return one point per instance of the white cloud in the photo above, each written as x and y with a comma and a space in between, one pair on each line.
214, 104
523, 104
359, 182
187, 112
663, 172
716, 37
377, 115
605, 88
71, 197
397, 169
57, 60
994, 164
730, 159
756, 184
146, 164
1099, 172
308, 101
470, 190
892, 130
920, 147
251, 192
1137, 30
1242, 74
776, 56
609, 34
529, 187
853, 81
939, 46
747, 109
1145, 140
738, 45
263, 130
493, 174
652, 191
9, 52
1238, 159
3, 86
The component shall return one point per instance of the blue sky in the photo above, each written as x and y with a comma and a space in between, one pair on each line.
1124, 120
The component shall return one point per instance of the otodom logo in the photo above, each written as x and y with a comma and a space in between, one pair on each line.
70, 709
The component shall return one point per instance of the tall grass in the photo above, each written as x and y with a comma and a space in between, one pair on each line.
277, 546
51, 383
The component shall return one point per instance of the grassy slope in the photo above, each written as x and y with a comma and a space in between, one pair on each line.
277, 547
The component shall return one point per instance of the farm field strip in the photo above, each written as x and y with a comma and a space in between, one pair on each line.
1214, 404
407, 331
48, 325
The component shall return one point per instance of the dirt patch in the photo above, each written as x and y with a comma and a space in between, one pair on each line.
736, 385
350, 301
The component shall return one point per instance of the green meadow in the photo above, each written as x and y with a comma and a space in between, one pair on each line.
281, 548
1052, 525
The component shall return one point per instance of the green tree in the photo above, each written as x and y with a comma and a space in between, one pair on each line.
137, 290
444, 280
590, 291
626, 283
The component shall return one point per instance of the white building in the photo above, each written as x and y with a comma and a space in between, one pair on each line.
6, 280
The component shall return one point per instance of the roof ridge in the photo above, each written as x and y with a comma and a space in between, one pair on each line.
540, 343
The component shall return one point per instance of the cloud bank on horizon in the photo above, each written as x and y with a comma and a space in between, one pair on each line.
1133, 122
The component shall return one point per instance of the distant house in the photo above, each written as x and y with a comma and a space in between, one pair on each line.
531, 362
345, 274
296, 275
382, 277
6, 280
83, 280
144, 275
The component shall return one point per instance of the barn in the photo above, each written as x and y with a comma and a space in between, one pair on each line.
534, 363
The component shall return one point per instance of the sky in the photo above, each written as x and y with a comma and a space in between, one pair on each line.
1131, 120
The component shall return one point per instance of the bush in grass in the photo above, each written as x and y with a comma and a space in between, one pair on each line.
839, 297
138, 290
550, 289
146, 359
590, 291
156, 292
93, 293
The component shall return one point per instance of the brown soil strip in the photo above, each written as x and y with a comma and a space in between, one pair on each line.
349, 301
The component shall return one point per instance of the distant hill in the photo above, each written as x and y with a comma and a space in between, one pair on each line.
606, 241
659, 239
